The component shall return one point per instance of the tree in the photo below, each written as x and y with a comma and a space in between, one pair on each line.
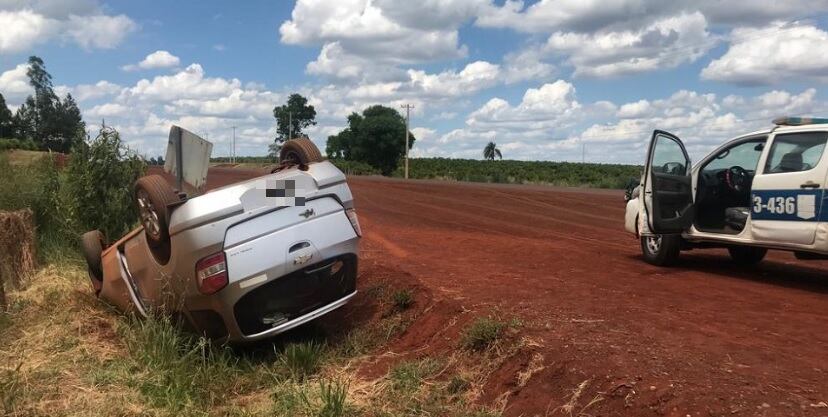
6, 119
44, 118
376, 137
291, 118
491, 151
68, 126
24, 119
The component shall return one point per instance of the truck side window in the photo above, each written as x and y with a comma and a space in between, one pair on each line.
795, 152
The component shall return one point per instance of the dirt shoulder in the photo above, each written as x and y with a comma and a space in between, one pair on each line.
704, 338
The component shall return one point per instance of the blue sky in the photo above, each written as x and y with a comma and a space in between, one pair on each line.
544, 79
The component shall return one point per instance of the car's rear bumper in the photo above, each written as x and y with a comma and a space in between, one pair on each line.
245, 313
298, 321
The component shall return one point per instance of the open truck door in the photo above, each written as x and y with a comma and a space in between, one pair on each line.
668, 188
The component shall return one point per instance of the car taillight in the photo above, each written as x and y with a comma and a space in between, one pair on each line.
352, 216
211, 273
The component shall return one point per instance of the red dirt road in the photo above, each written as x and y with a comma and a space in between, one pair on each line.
703, 338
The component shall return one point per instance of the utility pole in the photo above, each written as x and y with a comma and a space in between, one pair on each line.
583, 152
407, 108
233, 154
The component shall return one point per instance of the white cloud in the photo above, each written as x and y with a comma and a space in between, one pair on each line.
99, 31
582, 16
526, 65
26, 24
772, 54
210, 106
638, 109
107, 110
157, 59
22, 29
14, 85
362, 38
550, 123
663, 44
188, 83
474, 77
100, 89
551, 105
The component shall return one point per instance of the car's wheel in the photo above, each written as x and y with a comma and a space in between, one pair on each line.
661, 250
747, 255
152, 196
92, 244
300, 151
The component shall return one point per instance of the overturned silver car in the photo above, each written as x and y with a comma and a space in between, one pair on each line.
239, 263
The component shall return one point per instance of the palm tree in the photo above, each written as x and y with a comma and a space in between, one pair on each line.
491, 151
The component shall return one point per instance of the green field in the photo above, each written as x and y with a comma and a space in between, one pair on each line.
568, 174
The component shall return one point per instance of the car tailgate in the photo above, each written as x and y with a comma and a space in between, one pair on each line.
281, 241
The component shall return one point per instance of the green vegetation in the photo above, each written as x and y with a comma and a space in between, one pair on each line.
65, 353
402, 299
25, 144
103, 170
482, 333
490, 152
173, 370
355, 167
93, 192
409, 375
43, 119
375, 137
291, 118
568, 174
564, 174
302, 359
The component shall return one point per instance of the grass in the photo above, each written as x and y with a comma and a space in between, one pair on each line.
302, 359
482, 333
80, 357
10, 389
408, 376
402, 299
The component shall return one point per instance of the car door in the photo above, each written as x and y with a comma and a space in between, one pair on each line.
787, 195
668, 195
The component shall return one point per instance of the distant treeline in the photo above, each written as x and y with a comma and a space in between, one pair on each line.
572, 174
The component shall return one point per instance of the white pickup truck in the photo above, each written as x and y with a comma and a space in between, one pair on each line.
760, 191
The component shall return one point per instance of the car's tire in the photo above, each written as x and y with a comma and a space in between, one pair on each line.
300, 151
661, 250
152, 196
92, 245
747, 255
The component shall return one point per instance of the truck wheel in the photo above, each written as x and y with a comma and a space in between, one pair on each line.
92, 244
661, 250
747, 255
300, 151
152, 196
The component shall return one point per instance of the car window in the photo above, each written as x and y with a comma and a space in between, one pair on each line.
795, 152
745, 155
668, 157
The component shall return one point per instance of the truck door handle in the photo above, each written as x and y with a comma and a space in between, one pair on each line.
809, 184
